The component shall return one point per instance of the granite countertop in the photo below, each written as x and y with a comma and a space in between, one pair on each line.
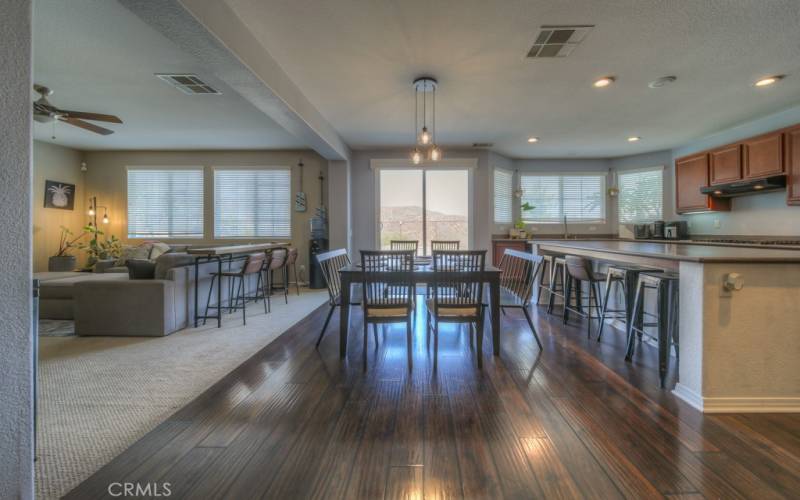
690, 252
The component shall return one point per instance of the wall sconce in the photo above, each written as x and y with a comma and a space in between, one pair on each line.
613, 191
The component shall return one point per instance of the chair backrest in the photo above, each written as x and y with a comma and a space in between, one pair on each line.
520, 270
331, 262
578, 268
404, 245
291, 257
254, 263
388, 279
278, 258
438, 245
458, 280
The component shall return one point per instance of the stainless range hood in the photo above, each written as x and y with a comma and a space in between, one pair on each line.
746, 187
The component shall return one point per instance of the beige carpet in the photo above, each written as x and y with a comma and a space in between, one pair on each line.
98, 395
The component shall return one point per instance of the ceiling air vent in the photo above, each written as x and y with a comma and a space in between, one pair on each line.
558, 41
482, 145
188, 83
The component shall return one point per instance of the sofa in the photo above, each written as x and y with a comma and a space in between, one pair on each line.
57, 291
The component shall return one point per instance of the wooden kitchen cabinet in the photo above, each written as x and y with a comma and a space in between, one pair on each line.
791, 139
762, 156
499, 248
725, 164
691, 174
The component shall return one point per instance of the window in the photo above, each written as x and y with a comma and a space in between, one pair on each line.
165, 203
252, 203
641, 197
579, 197
503, 187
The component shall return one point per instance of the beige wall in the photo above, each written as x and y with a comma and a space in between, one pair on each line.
107, 179
55, 163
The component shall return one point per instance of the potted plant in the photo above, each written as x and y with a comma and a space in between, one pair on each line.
519, 227
64, 260
97, 249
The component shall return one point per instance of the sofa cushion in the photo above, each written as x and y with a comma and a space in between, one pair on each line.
63, 288
170, 260
52, 275
140, 269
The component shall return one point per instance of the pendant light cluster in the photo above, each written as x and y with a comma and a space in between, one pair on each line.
425, 137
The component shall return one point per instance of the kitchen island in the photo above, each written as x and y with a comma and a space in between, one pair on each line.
739, 350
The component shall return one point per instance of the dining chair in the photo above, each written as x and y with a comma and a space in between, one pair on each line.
519, 272
253, 265
331, 263
404, 245
387, 292
456, 295
439, 245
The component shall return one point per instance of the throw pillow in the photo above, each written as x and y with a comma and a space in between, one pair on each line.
139, 269
170, 260
140, 252
158, 250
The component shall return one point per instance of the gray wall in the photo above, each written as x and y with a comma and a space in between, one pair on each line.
762, 214
16, 397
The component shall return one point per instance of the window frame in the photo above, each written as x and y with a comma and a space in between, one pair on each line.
166, 168
603, 176
620, 173
510, 220
290, 207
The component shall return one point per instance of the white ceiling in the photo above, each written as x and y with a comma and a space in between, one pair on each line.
97, 56
355, 60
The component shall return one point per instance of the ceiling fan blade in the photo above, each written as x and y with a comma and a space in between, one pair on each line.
90, 116
87, 126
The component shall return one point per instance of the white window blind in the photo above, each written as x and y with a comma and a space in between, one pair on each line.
165, 203
641, 197
503, 195
579, 197
252, 203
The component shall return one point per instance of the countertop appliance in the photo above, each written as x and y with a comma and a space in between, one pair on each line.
676, 230
641, 231
657, 230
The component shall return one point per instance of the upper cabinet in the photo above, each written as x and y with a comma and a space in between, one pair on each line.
725, 164
792, 157
763, 156
691, 174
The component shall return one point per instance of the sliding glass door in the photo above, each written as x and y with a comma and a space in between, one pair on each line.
424, 205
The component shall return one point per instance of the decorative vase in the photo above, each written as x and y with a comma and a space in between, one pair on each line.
61, 263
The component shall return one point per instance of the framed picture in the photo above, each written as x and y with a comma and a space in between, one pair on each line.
59, 195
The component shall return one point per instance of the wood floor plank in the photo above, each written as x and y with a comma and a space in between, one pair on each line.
404, 483
187, 471
442, 478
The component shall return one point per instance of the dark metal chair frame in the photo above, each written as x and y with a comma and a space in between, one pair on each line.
253, 264
456, 295
279, 264
291, 261
388, 290
520, 271
578, 270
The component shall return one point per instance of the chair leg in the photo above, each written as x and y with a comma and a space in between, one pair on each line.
637, 304
567, 297
663, 332
262, 281
243, 299
375, 333
479, 342
364, 350
208, 300
588, 310
325, 326
286, 284
541, 284
428, 331
435, 343
408, 343
605, 307
533, 328
296, 282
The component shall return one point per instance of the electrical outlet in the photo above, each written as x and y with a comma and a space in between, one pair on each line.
717, 223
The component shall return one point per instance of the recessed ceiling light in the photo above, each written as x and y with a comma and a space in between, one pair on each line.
768, 80
533, 139
662, 82
634, 138
603, 82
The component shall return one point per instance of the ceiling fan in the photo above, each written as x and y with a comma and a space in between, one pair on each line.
44, 112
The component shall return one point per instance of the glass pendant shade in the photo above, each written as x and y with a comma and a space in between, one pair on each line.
105, 219
425, 136
91, 211
436, 153
416, 157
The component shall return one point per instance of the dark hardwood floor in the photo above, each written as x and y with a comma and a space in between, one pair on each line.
572, 421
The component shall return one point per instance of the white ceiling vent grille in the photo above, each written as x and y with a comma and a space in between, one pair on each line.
558, 41
188, 83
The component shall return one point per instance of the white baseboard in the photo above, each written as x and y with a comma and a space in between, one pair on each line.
737, 405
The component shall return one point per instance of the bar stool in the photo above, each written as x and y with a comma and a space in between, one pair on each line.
666, 286
278, 263
578, 271
624, 277
546, 269
558, 278
253, 264
291, 262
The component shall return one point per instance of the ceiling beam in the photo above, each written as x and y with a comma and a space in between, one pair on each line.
211, 31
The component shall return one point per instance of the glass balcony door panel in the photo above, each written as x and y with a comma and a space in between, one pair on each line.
401, 206
447, 207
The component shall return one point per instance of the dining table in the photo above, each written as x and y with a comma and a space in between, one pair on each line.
422, 272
